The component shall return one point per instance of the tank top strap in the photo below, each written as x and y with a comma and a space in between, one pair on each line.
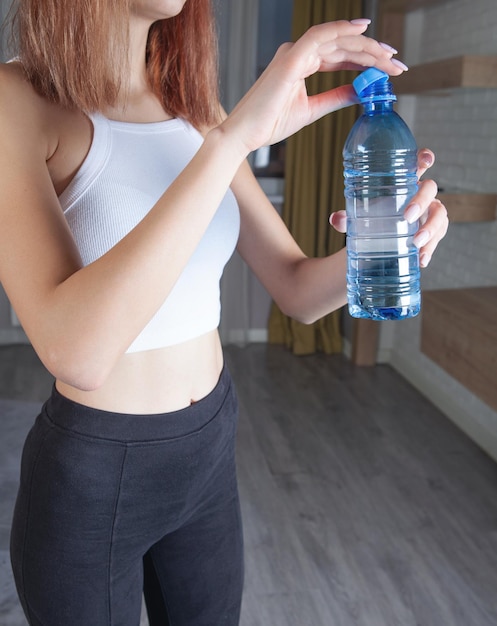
94, 162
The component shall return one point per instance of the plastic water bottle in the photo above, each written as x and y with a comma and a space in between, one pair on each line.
380, 160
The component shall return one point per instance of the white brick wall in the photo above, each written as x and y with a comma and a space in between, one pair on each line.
461, 128
458, 27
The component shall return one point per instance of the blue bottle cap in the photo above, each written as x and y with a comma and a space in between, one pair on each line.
373, 84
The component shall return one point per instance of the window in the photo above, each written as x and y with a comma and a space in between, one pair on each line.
274, 28
250, 32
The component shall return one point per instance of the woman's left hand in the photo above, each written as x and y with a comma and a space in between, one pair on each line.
425, 207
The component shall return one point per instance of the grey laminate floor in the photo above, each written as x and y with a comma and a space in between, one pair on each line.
363, 505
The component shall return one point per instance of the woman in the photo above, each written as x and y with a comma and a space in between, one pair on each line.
124, 192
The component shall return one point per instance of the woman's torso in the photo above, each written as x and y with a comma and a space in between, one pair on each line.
151, 381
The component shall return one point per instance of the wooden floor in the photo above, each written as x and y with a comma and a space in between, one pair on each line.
362, 504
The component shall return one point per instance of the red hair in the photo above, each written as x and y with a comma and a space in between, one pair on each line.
75, 54
182, 63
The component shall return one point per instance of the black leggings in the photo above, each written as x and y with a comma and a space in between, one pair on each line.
102, 493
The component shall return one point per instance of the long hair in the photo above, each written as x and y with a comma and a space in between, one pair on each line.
76, 54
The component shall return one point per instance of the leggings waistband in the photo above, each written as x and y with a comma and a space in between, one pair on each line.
126, 427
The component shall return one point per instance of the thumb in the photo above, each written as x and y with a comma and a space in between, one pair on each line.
332, 100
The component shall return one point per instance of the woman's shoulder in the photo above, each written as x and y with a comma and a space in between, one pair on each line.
22, 109
12, 70
28, 118
15, 88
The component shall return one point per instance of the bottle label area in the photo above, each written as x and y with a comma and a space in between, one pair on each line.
383, 281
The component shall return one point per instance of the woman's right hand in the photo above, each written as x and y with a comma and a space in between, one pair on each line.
278, 105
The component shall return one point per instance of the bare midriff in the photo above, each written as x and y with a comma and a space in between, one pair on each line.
157, 381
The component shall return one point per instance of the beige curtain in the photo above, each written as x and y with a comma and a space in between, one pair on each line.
314, 183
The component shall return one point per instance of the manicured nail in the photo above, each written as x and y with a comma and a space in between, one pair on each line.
421, 238
424, 259
398, 63
361, 21
427, 160
412, 213
387, 47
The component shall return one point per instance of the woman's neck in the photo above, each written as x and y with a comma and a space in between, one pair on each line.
144, 107
137, 102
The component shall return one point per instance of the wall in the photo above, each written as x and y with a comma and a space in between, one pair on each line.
461, 128
248, 38
9, 332
4, 7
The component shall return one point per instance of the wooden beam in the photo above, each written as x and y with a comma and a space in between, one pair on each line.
459, 333
437, 76
470, 207
365, 337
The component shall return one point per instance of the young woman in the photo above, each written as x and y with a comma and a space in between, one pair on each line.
124, 192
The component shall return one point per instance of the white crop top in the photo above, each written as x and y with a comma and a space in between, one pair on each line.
127, 169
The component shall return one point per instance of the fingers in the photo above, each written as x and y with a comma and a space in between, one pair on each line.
427, 190
357, 53
431, 214
339, 221
433, 230
426, 159
433, 219
341, 45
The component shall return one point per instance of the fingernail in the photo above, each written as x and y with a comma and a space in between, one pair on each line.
421, 238
360, 21
388, 48
398, 63
424, 259
427, 160
412, 213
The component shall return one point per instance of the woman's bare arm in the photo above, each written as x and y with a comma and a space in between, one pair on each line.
82, 319
305, 288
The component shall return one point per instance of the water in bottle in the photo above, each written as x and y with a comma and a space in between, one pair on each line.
380, 160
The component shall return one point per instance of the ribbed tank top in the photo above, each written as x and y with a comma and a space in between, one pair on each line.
127, 169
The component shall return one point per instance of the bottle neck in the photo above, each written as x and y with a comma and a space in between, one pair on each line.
378, 97
379, 106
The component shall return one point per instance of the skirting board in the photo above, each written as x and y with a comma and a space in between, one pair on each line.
242, 337
480, 434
